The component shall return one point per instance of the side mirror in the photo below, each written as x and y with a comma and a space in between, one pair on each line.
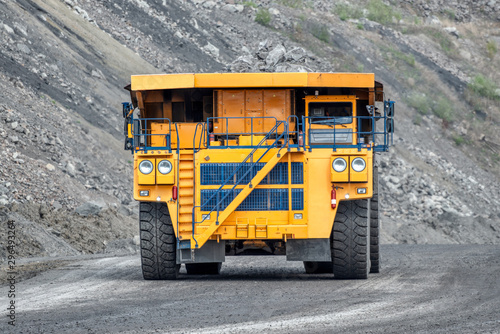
127, 106
136, 131
389, 125
389, 108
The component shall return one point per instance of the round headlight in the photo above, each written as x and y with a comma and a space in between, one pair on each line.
339, 165
146, 167
165, 167
358, 164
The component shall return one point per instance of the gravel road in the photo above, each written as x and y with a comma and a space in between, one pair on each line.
421, 289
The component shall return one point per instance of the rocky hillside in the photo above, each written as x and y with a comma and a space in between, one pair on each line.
63, 64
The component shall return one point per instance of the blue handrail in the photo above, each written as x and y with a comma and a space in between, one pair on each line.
219, 200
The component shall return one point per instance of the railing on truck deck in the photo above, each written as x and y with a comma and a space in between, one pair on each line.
157, 133
252, 128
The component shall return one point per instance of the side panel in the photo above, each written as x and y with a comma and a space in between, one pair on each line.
321, 214
212, 251
230, 103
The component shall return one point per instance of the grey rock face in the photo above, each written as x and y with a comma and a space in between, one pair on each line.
90, 208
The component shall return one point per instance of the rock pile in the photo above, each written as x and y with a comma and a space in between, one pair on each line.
269, 58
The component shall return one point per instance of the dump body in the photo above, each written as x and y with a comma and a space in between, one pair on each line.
245, 162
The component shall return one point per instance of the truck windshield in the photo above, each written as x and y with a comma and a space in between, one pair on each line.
330, 113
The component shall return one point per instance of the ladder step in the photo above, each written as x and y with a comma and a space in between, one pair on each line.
186, 192
186, 183
186, 209
186, 201
186, 174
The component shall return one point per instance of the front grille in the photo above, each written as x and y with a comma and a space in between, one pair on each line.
258, 200
219, 173
297, 199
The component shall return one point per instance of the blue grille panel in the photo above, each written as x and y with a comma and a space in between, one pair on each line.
218, 173
297, 199
258, 200
297, 173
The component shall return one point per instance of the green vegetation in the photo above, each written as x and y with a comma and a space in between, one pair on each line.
250, 4
484, 87
292, 3
346, 11
449, 13
441, 37
419, 102
491, 48
437, 35
263, 17
443, 109
458, 139
417, 120
392, 53
360, 26
321, 33
381, 13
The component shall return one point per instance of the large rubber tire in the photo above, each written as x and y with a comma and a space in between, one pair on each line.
212, 268
350, 247
158, 242
374, 226
318, 267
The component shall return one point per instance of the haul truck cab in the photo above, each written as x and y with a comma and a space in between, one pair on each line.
230, 164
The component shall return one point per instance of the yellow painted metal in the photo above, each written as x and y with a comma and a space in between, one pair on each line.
158, 134
274, 230
262, 109
342, 176
251, 80
317, 201
143, 178
165, 178
161, 81
250, 140
186, 134
358, 176
352, 80
129, 131
186, 194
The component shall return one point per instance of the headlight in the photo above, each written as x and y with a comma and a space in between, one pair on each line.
165, 167
339, 165
146, 167
358, 164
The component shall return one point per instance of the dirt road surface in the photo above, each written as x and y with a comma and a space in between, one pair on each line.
421, 289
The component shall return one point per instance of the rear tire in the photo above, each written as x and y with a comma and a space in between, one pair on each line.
158, 242
350, 246
212, 268
313, 267
374, 227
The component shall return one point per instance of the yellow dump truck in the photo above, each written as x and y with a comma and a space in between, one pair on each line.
257, 164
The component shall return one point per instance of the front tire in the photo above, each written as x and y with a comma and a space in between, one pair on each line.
374, 227
158, 242
350, 245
